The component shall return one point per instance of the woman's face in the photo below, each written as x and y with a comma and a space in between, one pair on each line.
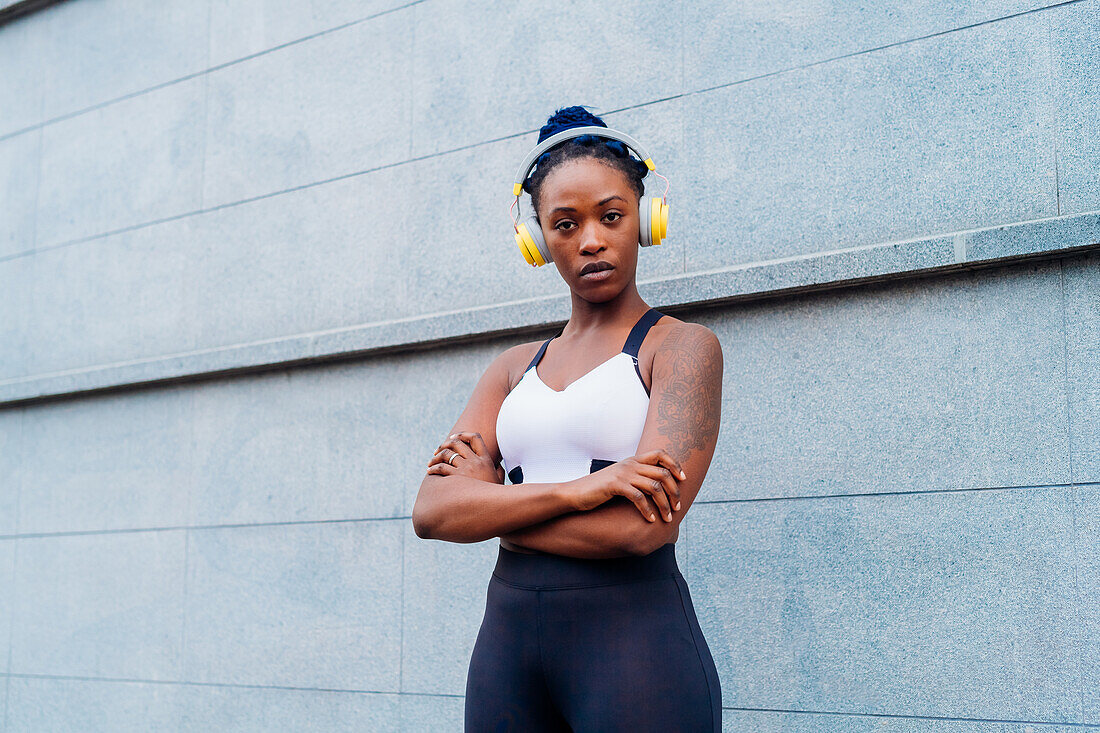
589, 216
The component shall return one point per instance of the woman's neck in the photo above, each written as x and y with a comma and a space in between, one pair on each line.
591, 318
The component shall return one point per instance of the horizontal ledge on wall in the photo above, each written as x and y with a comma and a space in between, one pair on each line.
12, 10
973, 249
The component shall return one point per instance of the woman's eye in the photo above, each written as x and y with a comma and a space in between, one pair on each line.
615, 216
564, 225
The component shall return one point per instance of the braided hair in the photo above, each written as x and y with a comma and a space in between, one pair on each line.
609, 152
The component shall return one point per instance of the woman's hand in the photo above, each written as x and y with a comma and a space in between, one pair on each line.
654, 474
466, 454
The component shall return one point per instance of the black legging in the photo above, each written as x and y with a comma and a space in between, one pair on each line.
590, 645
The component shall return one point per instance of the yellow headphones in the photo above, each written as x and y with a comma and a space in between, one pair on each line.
652, 210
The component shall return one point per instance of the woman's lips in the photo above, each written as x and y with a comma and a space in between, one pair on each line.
598, 275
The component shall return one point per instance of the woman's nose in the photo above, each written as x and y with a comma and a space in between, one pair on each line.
591, 240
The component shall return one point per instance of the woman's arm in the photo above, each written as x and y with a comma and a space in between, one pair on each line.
471, 506
460, 508
685, 409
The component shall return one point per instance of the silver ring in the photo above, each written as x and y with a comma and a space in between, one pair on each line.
451, 459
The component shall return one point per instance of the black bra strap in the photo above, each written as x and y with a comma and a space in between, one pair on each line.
641, 328
633, 341
637, 335
538, 356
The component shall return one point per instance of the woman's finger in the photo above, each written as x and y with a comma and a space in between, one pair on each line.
443, 469
444, 456
457, 445
659, 456
638, 498
476, 443
655, 488
671, 487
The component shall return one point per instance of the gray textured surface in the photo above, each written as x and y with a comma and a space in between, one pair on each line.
957, 604
742, 721
443, 614
64, 705
812, 397
483, 70
126, 163
944, 134
1088, 597
11, 463
110, 301
301, 605
300, 446
21, 86
18, 190
309, 111
16, 311
1082, 286
7, 597
108, 463
431, 713
310, 260
241, 28
242, 709
79, 706
99, 605
732, 41
119, 47
1074, 29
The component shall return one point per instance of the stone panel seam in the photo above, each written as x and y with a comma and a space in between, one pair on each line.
252, 199
401, 629
1065, 367
900, 716
183, 603
223, 685
1078, 599
698, 502
200, 72
1054, 96
11, 570
409, 90
831, 59
197, 527
37, 191
205, 113
10, 632
905, 492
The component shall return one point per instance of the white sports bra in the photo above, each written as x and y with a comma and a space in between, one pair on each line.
548, 436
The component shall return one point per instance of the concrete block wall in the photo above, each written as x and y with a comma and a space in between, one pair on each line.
238, 240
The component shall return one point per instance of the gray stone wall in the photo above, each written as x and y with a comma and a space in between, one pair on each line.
255, 255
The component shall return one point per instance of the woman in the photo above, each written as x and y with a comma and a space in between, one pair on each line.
606, 430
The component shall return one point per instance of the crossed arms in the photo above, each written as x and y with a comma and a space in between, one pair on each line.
471, 504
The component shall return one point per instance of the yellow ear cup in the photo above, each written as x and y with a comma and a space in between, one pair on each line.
655, 221
528, 247
664, 220
523, 249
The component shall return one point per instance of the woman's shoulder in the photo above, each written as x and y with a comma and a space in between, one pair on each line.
673, 340
668, 326
513, 361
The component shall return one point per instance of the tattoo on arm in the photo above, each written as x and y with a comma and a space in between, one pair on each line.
690, 407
